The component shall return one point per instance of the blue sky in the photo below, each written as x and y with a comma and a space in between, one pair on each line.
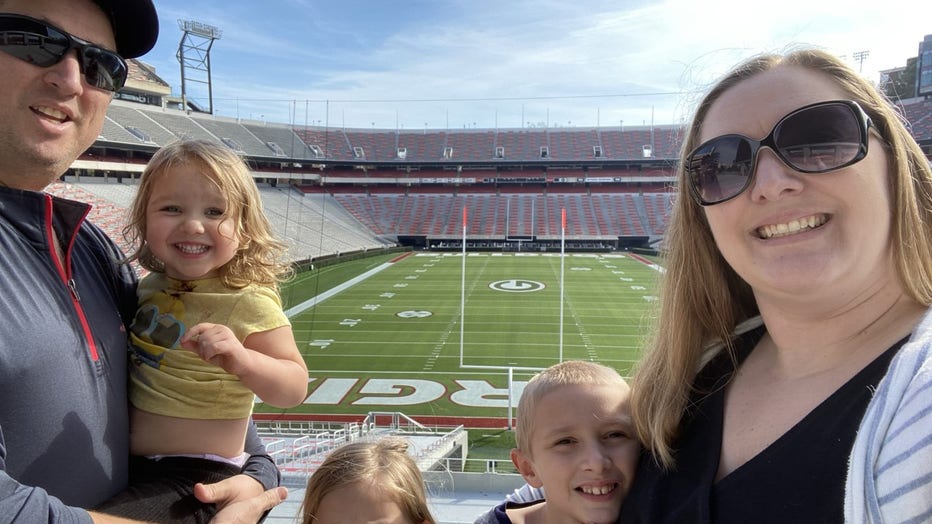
481, 63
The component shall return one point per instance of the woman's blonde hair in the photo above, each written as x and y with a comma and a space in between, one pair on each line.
260, 258
567, 373
383, 464
703, 299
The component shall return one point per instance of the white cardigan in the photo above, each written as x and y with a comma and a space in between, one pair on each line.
890, 468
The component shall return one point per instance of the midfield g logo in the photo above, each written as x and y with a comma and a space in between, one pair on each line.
517, 286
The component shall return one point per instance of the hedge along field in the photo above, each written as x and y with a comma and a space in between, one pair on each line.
392, 335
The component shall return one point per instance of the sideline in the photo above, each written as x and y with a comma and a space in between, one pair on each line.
468, 422
647, 263
311, 302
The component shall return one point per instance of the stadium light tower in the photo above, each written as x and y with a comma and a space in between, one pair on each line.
860, 57
194, 55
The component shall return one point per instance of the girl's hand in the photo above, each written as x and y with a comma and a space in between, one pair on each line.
216, 344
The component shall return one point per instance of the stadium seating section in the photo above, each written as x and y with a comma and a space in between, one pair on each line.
371, 186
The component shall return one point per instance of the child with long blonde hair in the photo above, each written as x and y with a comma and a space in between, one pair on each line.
209, 334
370, 481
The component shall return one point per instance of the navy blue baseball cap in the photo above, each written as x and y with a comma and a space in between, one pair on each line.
135, 25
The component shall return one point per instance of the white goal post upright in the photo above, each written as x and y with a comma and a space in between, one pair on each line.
463, 290
511, 381
510, 369
562, 265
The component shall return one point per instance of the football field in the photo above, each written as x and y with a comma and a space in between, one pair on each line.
430, 335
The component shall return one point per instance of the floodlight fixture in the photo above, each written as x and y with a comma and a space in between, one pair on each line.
200, 29
194, 58
860, 57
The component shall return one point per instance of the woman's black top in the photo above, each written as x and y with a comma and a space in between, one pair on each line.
800, 477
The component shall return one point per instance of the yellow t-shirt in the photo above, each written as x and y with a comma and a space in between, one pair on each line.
166, 379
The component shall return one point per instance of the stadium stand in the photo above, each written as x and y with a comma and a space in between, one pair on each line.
574, 144
284, 139
237, 137
315, 224
127, 116
312, 224
384, 186
512, 214
181, 125
472, 146
115, 132
299, 447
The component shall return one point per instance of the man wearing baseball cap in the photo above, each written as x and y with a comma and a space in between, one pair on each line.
64, 296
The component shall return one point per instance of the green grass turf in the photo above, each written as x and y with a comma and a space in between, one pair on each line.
309, 284
391, 342
486, 444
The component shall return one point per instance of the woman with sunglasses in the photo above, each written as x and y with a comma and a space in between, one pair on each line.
799, 276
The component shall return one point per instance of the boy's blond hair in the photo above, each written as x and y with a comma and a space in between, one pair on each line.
567, 373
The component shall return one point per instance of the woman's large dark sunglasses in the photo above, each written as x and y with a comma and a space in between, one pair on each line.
45, 45
817, 138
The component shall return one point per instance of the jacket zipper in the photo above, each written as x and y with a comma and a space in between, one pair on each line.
64, 271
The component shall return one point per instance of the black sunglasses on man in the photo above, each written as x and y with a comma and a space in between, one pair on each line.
44, 45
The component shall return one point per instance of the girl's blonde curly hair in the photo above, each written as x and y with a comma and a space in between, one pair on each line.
260, 258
